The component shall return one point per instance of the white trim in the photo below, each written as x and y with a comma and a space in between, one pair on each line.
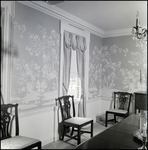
46, 142
23, 114
5, 3
7, 57
114, 33
93, 99
71, 19
87, 64
106, 98
63, 16
100, 98
67, 17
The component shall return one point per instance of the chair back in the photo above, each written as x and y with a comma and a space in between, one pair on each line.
9, 113
122, 100
67, 106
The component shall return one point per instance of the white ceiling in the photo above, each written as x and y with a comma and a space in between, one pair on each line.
107, 15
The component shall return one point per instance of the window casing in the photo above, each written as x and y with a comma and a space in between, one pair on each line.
78, 31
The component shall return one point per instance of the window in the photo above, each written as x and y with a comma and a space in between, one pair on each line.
75, 82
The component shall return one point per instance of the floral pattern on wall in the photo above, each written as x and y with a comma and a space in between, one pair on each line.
94, 73
113, 68
35, 71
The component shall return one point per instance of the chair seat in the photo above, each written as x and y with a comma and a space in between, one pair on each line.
117, 111
78, 121
17, 142
70, 121
121, 105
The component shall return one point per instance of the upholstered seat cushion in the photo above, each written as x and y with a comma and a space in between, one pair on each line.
17, 142
78, 120
117, 111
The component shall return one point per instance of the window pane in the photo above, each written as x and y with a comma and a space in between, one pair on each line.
75, 84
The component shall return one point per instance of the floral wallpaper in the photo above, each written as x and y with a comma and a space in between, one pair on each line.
94, 66
114, 68
35, 70
114, 63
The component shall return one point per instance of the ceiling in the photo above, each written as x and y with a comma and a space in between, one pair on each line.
107, 15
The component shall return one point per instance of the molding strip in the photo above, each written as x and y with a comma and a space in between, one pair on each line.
73, 20
63, 16
114, 33
79, 23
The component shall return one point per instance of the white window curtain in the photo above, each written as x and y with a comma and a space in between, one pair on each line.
78, 43
80, 55
66, 63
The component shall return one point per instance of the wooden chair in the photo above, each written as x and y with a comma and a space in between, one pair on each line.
121, 106
69, 120
9, 114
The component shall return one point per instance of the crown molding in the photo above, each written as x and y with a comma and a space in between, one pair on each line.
121, 32
73, 20
63, 16
5, 3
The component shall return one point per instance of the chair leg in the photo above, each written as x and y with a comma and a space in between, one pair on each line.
63, 132
92, 129
72, 131
39, 145
79, 138
115, 118
106, 115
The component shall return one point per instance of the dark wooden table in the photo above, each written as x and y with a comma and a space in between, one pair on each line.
119, 136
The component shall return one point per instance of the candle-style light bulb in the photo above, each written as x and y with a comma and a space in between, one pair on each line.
137, 15
137, 19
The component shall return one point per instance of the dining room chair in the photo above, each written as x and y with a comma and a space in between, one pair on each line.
121, 106
71, 123
9, 118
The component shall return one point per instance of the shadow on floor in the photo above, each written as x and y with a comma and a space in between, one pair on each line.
70, 144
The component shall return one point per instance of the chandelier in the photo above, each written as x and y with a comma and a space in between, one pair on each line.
139, 33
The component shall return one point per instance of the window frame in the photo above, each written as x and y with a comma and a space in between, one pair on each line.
77, 30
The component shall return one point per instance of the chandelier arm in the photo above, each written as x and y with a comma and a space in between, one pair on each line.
139, 33
144, 31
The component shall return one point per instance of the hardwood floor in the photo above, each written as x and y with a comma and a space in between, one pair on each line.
70, 144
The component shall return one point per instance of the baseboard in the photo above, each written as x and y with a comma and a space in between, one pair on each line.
47, 141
